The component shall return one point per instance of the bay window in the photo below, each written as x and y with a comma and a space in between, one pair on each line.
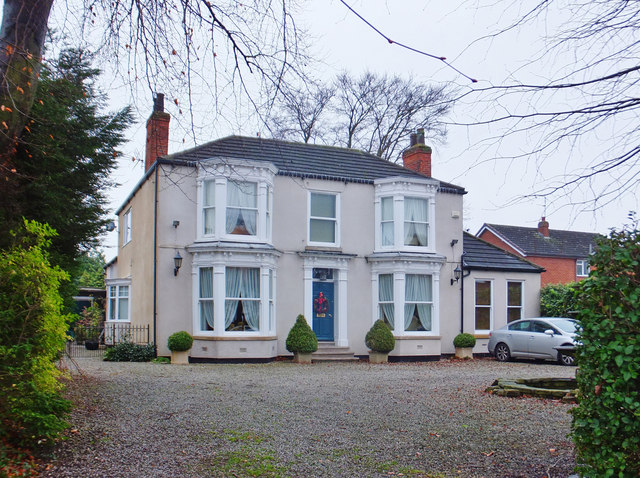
235, 201
406, 302
242, 301
405, 210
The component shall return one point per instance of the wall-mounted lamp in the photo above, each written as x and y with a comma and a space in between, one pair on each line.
177, 263
176, 224
457, 273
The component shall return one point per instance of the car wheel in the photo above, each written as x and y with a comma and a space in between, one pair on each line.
503, 354
565, 359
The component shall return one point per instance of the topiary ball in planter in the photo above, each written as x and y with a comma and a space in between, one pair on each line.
464, 341
180, 341
380, 338
302, 339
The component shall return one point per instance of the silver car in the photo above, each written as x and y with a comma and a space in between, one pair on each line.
536, 338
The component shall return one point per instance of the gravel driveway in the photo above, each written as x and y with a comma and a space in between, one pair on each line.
327, 419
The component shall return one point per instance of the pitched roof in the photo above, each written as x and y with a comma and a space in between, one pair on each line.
304, 160
560, 243
481, 255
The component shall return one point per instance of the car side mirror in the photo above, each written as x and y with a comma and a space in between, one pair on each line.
549, 332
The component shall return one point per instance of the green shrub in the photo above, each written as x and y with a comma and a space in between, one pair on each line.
130, 352
464, 340
559, 300
32, 338
606, 422
302, 338
380, 338
180, 341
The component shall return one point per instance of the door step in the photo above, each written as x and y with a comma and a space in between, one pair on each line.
328, 351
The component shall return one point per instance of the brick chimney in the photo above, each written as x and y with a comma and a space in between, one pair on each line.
157, 132
543, 227
418, 155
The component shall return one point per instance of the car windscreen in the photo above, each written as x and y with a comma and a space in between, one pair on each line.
566, 325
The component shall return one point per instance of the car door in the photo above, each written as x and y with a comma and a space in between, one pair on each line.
518, 338
541, 344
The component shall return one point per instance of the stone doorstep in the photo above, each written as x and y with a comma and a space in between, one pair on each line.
328, 351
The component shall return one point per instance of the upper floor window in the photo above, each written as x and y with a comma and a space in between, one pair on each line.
582, 268
404, 214
235, 205
126, 233
416, 224
323, 218
514, 301
242, 208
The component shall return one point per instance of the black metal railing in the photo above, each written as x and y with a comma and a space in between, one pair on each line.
92, 341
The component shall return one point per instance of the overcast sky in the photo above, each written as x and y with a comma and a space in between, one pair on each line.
342, 42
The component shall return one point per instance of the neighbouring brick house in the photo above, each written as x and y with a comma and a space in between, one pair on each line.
563, 254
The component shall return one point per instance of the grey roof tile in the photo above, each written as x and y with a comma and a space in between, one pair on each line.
304, 160
481, 255
560, 243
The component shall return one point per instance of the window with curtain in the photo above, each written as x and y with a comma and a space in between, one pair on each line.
205, 298
208, 208
418, 303
386, 221
386, 310
416, 224
483, 306
323, 218
272, 306
514, 301
242, 301
242, 208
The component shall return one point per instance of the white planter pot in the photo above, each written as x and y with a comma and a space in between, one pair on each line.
378, 357
464, 352
299, 357
180, 358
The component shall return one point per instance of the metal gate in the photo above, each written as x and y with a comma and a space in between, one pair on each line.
90, 341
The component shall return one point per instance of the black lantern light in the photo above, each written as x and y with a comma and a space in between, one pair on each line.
177, 263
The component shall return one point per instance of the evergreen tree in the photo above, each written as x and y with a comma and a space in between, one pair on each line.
64, 158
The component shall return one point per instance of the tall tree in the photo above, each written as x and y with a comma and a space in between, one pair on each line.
372, 113
68, 149
584, 112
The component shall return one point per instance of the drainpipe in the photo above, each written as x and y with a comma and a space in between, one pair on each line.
462, 293
155, 257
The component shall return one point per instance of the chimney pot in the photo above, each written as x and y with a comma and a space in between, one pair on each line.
413, 139
158, 102
420, 135
543, 227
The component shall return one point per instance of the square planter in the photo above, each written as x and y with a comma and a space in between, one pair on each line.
378, 357
180, 358
464, 352
301, 358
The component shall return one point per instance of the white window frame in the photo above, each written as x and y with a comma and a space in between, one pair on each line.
399, 189
116, 300
126, 227
521, 306
335, 220
583, 266
219, 261
400, 269
220, 172
490, 306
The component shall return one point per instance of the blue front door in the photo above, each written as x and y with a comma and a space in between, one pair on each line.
323, 310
